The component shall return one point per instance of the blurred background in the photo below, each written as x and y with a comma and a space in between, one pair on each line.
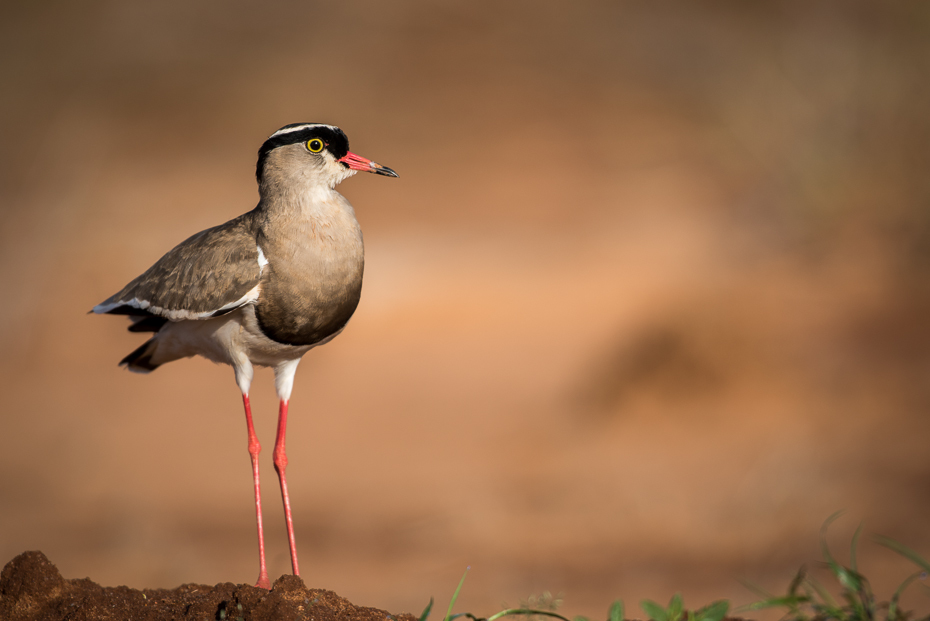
648, 302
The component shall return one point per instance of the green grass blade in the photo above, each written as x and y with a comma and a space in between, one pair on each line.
853, 546
856, 604
655, 611
455, 595
904, 551
849, 580
755, 588
616, 611
675, 606
825, 597
425, 614
790, 601
842, 574
797, 581
893, 613
526, 611
823, 538
715, 611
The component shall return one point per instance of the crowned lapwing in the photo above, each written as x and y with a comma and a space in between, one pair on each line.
264, 288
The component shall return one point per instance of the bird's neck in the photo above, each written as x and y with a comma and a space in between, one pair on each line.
313, 218
304, 200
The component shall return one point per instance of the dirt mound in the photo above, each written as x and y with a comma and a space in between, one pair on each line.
32, 589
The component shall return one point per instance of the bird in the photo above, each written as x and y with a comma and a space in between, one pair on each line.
262, 289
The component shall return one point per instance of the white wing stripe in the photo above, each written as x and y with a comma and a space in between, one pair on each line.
135, 303
182, 313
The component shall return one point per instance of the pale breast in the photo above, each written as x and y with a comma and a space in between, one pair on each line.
312, 283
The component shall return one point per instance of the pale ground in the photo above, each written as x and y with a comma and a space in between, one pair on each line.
629, 324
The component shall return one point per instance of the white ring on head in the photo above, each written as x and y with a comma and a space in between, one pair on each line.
297, 128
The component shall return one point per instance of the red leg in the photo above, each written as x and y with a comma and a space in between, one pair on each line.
280, 464
254, 449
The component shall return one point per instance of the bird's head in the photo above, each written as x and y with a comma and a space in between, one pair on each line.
310, 153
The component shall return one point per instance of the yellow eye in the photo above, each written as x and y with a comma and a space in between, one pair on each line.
315, 145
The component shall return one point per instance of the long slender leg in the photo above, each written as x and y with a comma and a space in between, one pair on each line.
254, 449
280, 464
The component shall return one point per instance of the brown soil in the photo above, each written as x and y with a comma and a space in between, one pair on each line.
32, 589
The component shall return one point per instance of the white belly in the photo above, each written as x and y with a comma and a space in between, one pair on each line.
234, 339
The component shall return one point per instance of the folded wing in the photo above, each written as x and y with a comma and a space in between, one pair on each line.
209, 274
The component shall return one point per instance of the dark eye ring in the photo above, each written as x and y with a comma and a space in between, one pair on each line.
315, 145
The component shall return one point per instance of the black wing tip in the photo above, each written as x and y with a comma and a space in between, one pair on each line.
149, 323
125, 309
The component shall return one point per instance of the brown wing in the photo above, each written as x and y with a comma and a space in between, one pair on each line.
206, 275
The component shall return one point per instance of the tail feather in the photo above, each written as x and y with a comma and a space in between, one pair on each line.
140, 360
